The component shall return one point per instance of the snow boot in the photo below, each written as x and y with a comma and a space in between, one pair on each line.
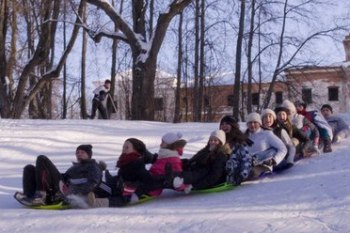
327, 146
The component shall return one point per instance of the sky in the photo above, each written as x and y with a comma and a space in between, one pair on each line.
313, 196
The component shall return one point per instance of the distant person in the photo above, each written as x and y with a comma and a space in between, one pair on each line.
99, 102
340, 128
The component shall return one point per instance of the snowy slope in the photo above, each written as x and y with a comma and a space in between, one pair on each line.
313, 196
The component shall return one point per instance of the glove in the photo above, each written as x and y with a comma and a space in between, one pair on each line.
269, 162
102, 165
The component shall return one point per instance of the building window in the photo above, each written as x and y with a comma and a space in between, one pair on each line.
158, 104
306, 95
255, 99
333, 93
230, 100
279, 97
206, 101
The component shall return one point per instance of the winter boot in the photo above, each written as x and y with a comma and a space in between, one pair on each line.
327, 146
39, 198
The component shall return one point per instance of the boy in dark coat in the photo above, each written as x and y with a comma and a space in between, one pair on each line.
43, 184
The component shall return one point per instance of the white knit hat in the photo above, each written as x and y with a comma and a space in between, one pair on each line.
254, 116
290, 106
219, 134
268, 111
170, 138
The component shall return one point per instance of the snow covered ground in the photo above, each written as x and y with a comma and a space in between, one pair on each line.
313, 196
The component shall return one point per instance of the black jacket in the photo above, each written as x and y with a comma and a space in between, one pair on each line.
83, 177
206, 168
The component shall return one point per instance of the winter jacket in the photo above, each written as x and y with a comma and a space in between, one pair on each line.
294, 132
83, 177
320, 122
283, 135
158, 167
239, 164
306, 126
206, 168
265, 140
337, 124
134, 174
100, 93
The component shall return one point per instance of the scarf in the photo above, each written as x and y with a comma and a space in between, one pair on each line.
125, 159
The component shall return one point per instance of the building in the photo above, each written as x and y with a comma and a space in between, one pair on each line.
315, 85
318, 85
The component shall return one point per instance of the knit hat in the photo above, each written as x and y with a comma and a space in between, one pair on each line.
281, 109
174, 140
328, 107
229, 120
87, 148
268, 111
300, 103
138, 145
254, 116
219, 134
290, 106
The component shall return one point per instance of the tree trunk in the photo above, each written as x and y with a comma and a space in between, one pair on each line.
236, 90
249, 57
83, 109
177, 116
196, 107
4, 97
202, 60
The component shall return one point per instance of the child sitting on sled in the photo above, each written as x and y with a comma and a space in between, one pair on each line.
43, 184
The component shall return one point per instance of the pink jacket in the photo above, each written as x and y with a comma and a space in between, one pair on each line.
158, 168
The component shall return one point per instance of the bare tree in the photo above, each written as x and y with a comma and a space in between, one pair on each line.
144, 50
39, 69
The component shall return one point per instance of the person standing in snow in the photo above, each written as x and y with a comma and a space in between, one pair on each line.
207, 167
269, 122
43, 184
170, 151
267, 151
99, 102
239, 164
340, 128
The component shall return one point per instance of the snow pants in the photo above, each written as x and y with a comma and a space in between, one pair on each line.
44, 176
